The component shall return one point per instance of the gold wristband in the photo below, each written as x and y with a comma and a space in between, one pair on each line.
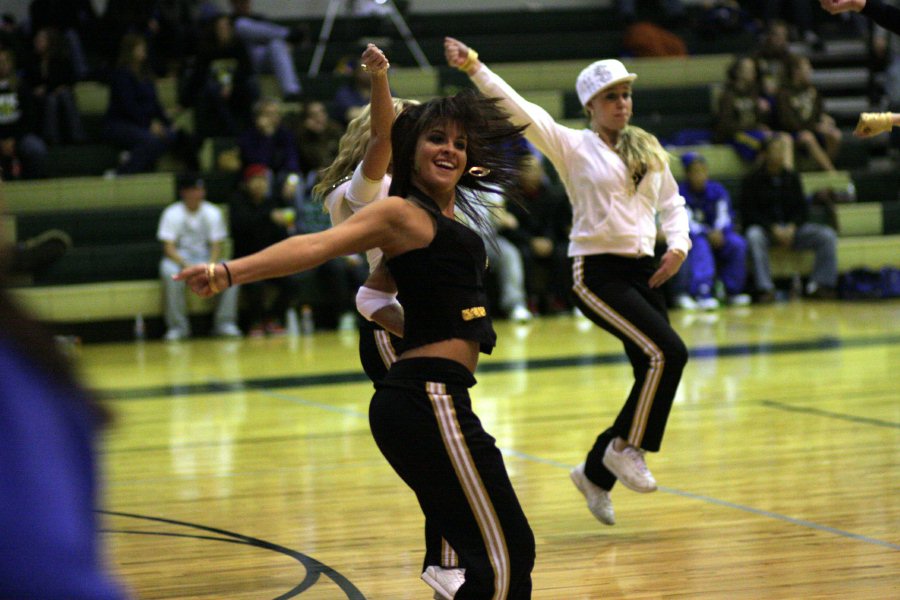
471, 57
211, 275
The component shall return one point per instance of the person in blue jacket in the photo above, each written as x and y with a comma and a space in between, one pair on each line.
48, 472
717, 249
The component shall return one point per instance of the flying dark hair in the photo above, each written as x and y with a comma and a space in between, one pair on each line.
493, 143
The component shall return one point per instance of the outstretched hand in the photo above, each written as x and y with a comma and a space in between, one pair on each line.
197, 278
871, 124
841, 6
668, 267
373, 60
455, 52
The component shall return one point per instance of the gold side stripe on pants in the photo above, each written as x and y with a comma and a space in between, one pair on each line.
449, 558
473, 487
385, 347
657, 358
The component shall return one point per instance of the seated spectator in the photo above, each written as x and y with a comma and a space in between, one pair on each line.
318, 136
338, 279
23, 155
801, 16
542, 236
75, 20
269, 142
743, 116
352, 96
505, 261
168, 27
12, 35
223, 85
775, 212
716, 248
258, 221
269, 45
135, 120
771, 58
192, 231
801, 113
51, 76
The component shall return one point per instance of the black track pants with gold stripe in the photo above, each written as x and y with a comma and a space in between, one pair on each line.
422, 420
612, 291
378, 350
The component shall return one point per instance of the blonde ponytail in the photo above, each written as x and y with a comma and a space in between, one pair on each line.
641, 152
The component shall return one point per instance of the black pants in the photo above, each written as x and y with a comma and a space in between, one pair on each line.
613, 292
422, 420
378, 350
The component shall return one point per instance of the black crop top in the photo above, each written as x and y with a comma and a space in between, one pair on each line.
441, 286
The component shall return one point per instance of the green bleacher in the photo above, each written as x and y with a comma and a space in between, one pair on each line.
111, 273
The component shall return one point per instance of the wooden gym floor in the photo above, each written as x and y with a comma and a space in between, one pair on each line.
245, 469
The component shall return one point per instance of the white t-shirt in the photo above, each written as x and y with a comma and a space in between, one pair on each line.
352, 196
192, 232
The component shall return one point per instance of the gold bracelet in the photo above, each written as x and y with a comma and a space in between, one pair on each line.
211, 275
471, 57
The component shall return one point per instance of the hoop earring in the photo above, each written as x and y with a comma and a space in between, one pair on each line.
479, 172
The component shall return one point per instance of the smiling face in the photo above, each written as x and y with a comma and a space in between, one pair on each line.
440, 159
610, 109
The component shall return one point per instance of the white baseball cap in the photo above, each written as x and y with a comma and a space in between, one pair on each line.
599, 76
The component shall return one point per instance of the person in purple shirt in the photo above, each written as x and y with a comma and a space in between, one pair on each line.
717, 248
48, 470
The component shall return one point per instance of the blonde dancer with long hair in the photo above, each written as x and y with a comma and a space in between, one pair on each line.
618, 180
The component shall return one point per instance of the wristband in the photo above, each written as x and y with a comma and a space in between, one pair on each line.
369, 301
471, 57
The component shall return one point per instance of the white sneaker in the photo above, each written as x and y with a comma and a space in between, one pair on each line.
228, 330
709, 303
599, 502
686, 302
520, 314
175, 335
444, 582
629, 466
739, 299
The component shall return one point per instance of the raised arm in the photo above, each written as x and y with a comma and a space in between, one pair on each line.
841, 6
378, 150
883, 14
543, 131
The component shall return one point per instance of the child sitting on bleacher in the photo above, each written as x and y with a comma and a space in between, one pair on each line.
717, 248
801, 113
743, 116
